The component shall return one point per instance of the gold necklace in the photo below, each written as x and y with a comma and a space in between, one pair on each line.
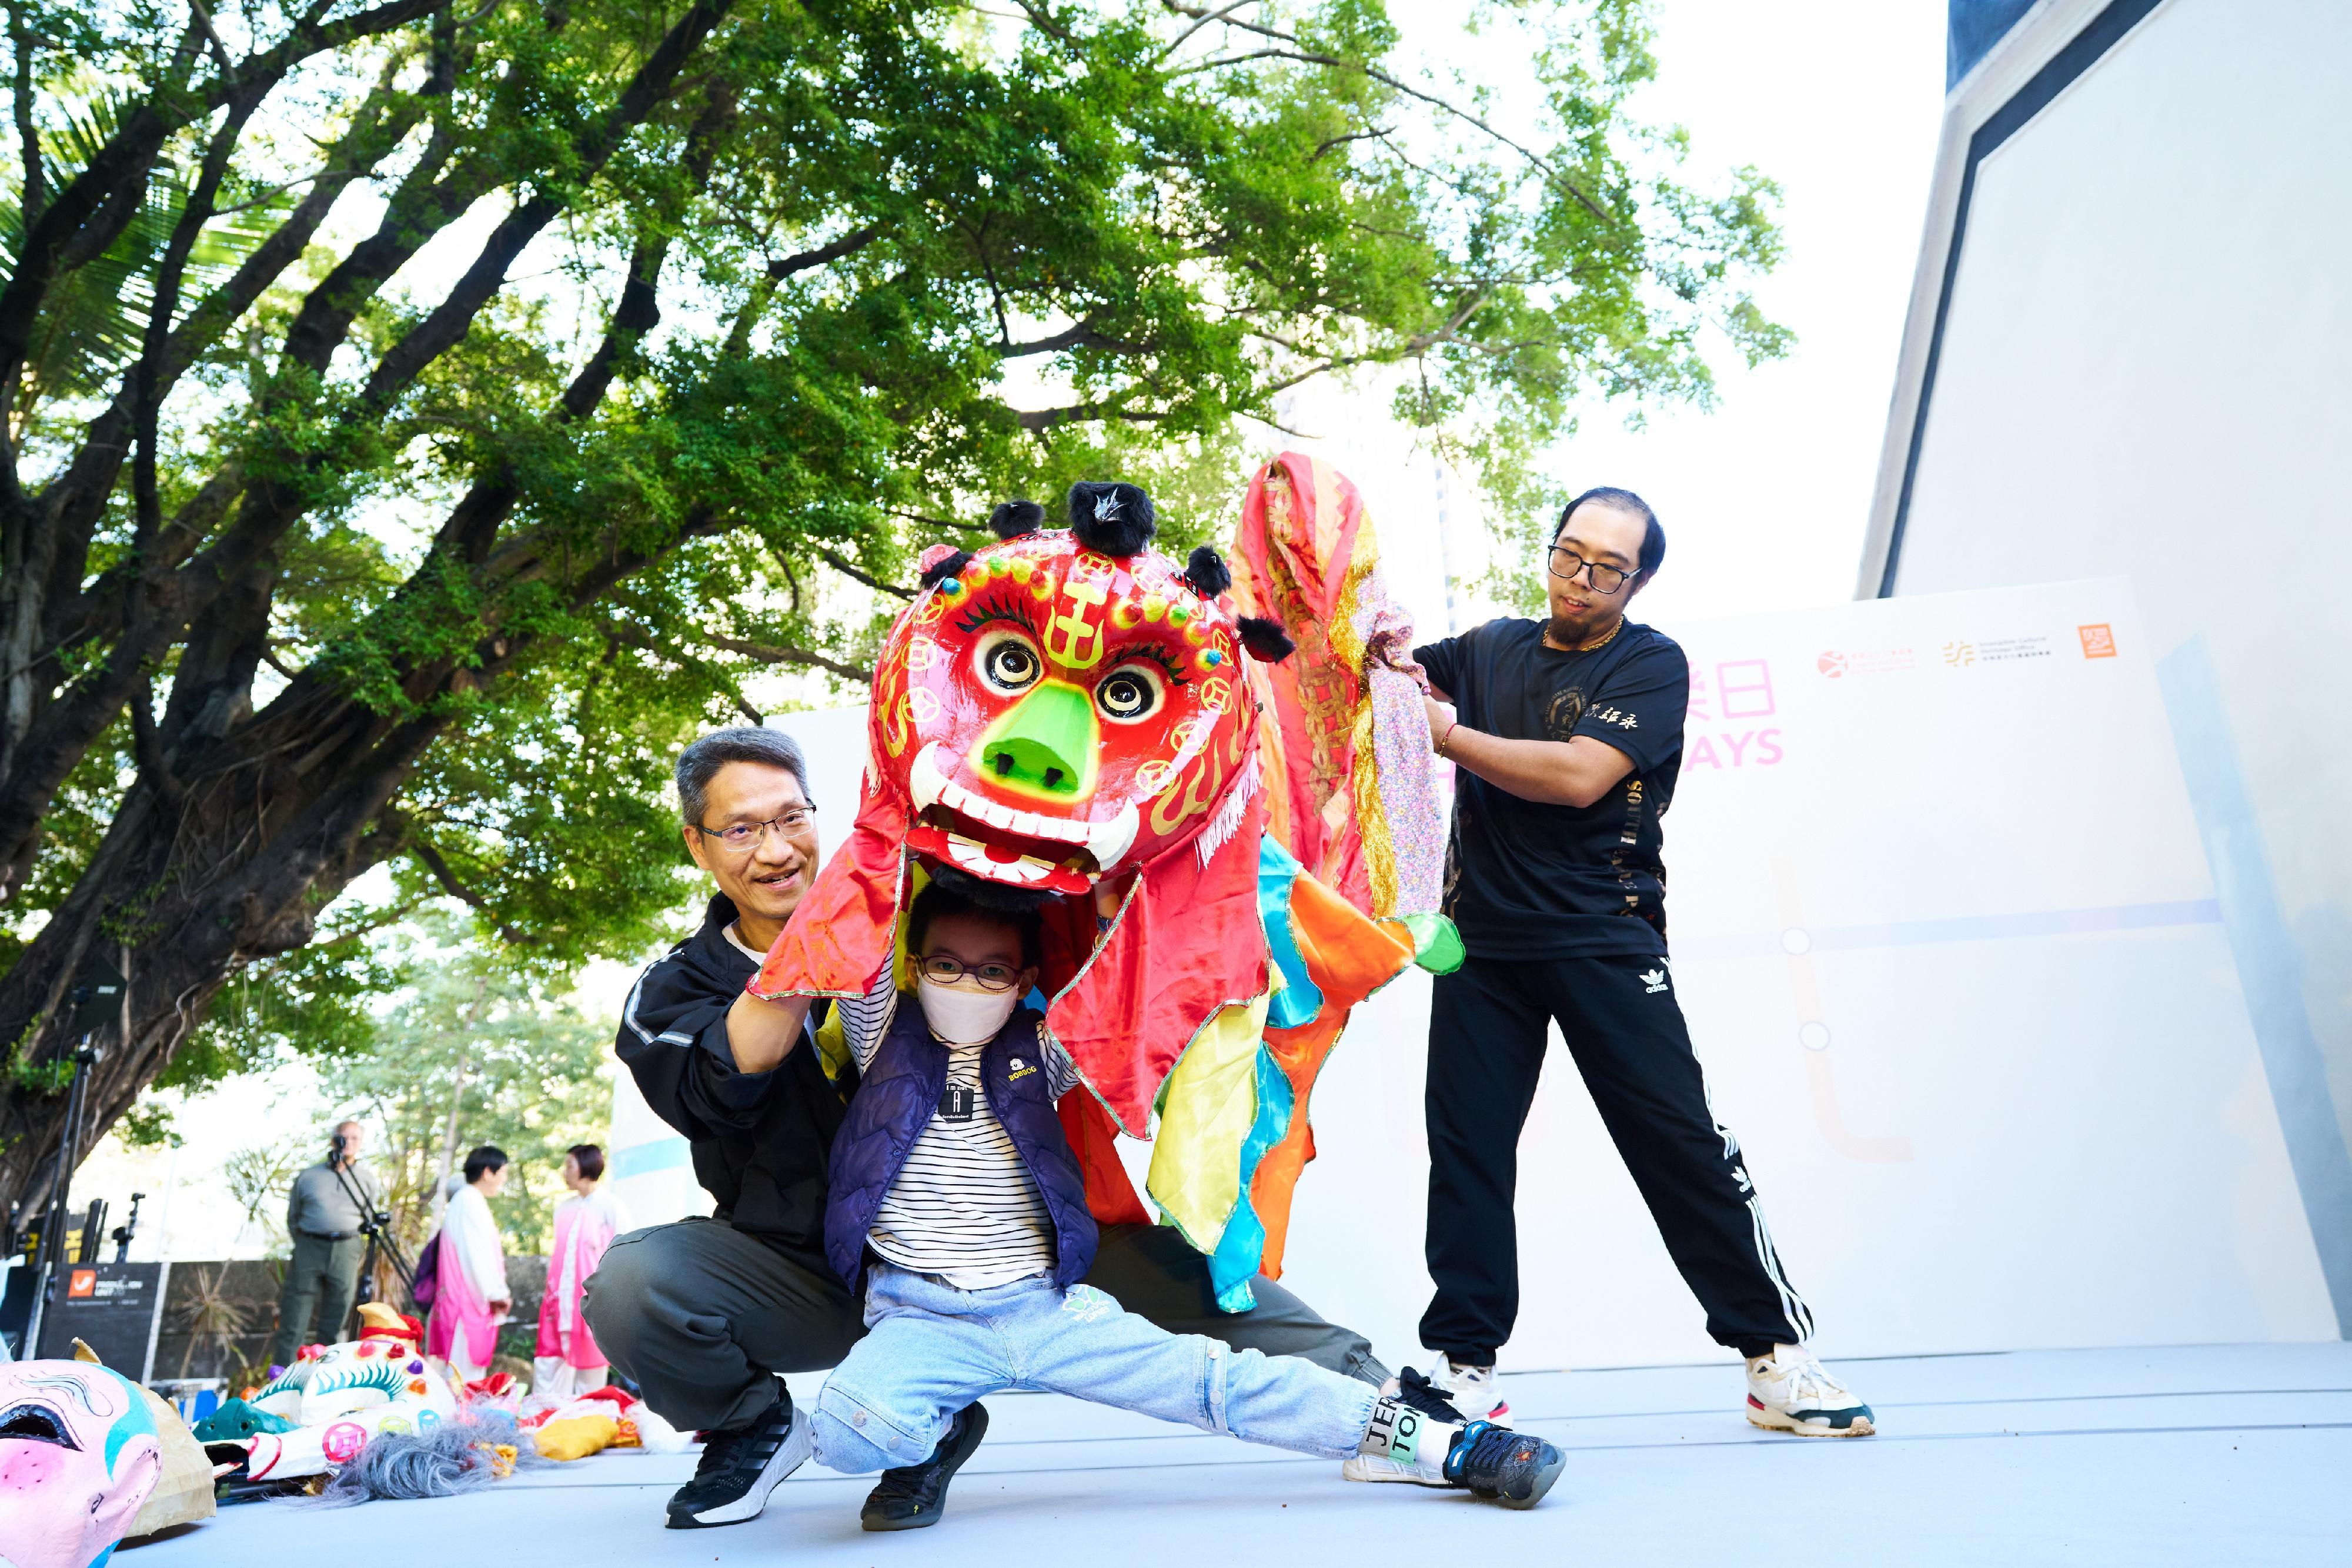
1585, 647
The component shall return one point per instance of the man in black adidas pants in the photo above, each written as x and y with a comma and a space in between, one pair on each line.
1568, 734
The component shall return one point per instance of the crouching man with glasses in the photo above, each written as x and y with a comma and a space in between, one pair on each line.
1568, 736
706, 1314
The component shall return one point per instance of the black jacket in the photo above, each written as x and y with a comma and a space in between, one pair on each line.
761, 1139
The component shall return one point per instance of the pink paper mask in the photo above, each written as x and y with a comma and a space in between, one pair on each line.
78, 1455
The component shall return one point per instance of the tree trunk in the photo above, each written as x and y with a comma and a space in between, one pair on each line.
196, 878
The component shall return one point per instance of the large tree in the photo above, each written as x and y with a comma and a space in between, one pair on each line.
420, 414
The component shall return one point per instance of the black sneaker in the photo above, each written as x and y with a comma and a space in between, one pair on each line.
913, 1498
740, 1467
1506, 1467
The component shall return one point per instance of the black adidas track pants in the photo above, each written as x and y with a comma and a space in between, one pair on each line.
1626, 1033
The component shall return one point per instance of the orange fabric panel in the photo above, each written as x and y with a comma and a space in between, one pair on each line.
1348, 956
1110, 1196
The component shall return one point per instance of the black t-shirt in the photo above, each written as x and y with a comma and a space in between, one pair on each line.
1528, 880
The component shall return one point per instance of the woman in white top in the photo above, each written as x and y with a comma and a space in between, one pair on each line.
471, 1296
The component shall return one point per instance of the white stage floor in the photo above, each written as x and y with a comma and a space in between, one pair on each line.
2233, 1454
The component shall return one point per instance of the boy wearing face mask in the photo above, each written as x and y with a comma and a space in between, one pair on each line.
957, 1203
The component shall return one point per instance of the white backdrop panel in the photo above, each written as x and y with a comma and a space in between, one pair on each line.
1949, 949
1949, 946
2129, 385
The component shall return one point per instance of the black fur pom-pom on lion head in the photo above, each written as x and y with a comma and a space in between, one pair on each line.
1265, 640
1016, 519
1207, 571
1114, 519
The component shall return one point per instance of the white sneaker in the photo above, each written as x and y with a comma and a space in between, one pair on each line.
1789, 1391
1471, 1390
1411, 1432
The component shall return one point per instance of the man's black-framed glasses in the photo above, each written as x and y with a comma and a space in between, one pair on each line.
946, 971
743, 835
1566, 563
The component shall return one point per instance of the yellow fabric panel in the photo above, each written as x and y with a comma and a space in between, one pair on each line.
1211, 1101
833, 1046
577, 1438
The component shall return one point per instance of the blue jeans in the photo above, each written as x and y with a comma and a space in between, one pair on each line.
930, 1350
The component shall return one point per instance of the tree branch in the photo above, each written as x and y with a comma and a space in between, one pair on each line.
593, 148
1185, 37
779, 653
1043, 419
431, 859
147, 747
1299, 50
847, 569
847, 245
35, 190
1085, 335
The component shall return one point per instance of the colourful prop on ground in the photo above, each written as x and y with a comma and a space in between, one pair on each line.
339, 1397
609, 1418
1070, 713
450, 1459
78, 1456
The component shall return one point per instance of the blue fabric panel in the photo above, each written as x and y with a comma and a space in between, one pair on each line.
1299, 1000
1239, 1251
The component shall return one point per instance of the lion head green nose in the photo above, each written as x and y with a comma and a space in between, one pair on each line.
1045, 745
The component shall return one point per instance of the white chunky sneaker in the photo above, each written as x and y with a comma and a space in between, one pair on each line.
1789, 1391
1409, 1409
1470, 1389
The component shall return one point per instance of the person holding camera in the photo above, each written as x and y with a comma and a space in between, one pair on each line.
326, 1215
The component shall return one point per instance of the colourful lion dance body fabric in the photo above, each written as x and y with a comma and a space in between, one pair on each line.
1070, 714
1356, 800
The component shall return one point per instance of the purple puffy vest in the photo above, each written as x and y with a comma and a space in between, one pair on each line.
896, 1097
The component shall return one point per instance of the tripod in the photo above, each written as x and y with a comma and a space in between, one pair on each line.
381, 1243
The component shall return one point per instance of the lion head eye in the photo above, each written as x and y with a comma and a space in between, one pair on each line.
1008, 662
1127, 694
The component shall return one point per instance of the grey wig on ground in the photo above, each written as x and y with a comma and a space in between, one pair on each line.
446, 1460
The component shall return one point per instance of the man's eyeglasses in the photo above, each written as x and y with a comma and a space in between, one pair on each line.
743, 835
947, 971
1566, 563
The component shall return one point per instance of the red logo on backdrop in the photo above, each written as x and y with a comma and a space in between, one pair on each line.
1830, 664
81, 1282
2098, 642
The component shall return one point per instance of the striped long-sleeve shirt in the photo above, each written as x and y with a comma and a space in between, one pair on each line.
963, 1206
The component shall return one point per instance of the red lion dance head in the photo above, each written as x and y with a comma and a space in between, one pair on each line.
1066, 712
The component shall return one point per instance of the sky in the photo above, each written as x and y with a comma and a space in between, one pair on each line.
1764, 499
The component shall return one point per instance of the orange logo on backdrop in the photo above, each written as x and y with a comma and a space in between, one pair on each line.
81, 1282
2098, 642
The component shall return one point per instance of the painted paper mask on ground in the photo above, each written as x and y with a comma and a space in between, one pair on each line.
78, 1455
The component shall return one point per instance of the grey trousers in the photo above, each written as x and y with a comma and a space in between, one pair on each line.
702, 1316
320, 1281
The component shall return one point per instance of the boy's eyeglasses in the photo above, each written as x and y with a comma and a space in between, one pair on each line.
947, 971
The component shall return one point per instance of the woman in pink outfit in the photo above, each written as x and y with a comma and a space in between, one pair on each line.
471, 1296
568, 1361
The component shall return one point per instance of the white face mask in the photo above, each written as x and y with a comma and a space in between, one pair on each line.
966, 1018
